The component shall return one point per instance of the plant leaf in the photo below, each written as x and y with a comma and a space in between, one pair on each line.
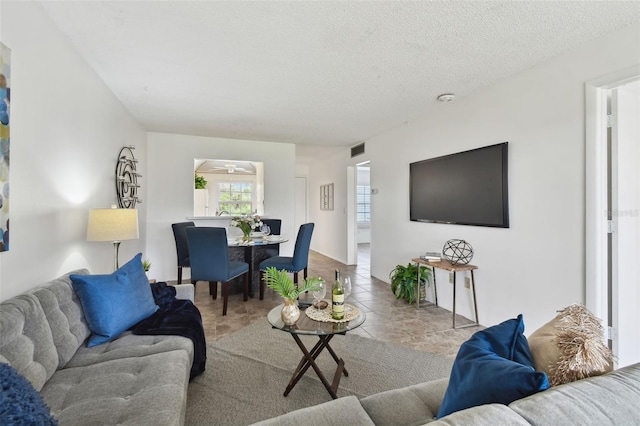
280, 282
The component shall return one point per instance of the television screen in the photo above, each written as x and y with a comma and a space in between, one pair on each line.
466, 188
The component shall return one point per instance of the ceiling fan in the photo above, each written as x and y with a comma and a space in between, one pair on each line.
232, 168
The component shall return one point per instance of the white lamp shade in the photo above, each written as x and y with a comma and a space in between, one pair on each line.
112, 225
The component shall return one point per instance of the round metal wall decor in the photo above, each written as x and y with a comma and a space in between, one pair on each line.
127, 178
458, 252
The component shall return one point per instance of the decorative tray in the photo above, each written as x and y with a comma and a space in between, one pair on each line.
324, 315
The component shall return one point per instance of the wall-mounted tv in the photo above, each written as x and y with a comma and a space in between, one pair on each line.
465, 188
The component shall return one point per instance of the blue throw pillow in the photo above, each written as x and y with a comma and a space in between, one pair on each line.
493, 366
115, 302
20, 403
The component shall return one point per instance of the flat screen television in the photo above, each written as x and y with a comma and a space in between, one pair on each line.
465, 188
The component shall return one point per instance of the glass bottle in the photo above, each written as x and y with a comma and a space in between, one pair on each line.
337, 298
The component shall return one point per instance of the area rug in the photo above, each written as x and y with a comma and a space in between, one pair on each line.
248, 371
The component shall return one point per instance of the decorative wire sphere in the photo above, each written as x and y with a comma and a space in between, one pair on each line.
458, 252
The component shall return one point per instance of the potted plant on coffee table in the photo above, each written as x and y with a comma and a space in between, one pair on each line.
280, 282
404, 280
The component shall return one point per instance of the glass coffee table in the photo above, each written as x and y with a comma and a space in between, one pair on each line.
325, 332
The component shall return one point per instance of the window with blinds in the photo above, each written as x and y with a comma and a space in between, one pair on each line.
235, 198
363, 203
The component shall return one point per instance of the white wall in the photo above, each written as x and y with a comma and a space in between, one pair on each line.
170, 177
364, 233
535, 267
330, 232
66, 131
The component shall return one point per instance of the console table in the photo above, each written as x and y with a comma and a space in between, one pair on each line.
447, 266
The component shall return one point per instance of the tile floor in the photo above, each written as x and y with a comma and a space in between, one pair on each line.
426, 329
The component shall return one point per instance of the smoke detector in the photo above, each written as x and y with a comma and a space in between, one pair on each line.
446, 97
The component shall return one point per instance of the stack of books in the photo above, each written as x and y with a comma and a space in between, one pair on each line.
432, 256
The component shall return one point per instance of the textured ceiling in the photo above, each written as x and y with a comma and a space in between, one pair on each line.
315, 72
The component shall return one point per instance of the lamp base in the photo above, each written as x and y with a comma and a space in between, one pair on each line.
116, 246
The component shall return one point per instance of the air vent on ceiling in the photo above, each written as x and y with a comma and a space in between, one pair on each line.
357, 150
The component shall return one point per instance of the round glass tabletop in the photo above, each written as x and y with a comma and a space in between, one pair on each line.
306, 325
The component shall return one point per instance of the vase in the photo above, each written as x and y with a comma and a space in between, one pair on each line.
246, 235
290, 312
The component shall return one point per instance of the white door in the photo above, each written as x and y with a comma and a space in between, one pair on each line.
300, 213
624, 259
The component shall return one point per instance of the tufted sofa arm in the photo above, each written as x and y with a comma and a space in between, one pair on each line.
185, 291
132, 380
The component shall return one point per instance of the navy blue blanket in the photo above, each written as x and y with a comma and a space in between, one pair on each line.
176, 317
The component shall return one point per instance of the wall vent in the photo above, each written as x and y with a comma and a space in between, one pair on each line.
357, 150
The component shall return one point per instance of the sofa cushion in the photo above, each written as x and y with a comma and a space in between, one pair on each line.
128, 345
493, 366
613, 398
489, 414
113, 303
20, 403
25, 339
339, 412
63, 311
148, 390
411, 405
571, 346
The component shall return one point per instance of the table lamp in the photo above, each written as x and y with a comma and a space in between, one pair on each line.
113, 225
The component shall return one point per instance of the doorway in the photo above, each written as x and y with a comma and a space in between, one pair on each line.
359, 216
363, 215
613, 210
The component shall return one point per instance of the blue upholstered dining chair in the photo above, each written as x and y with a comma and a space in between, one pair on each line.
274, 225
182, 248
209, 255
299, 261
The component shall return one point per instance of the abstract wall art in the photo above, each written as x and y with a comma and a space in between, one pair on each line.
5, 99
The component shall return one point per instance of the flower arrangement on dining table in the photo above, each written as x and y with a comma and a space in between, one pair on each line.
246, 225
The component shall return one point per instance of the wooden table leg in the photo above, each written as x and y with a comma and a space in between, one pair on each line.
336, 359
303, 365
309, 360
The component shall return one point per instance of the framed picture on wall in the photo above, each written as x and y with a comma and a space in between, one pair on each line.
326, 197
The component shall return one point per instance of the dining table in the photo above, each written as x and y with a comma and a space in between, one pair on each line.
258, 249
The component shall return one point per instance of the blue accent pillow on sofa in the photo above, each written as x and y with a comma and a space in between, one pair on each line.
20, 403
115, 302
493, 366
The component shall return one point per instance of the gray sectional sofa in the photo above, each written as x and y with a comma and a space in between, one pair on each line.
132, 380
610, 399
142, 380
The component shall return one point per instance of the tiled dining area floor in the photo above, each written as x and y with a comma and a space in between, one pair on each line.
426, 329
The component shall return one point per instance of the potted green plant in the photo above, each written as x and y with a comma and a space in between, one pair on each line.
200, 182
280, 282
404, 280
146, 265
